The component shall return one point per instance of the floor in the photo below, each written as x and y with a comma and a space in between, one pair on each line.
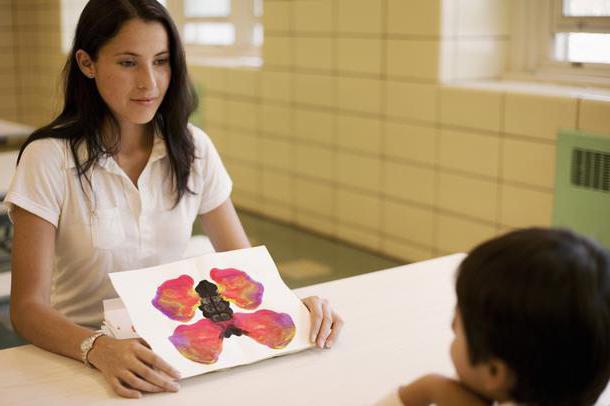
302, 258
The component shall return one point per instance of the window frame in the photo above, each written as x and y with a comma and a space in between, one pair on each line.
534, 25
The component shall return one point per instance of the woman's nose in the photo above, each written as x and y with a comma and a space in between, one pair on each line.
146, 78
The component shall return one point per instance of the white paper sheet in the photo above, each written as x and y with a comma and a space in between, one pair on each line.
138, 288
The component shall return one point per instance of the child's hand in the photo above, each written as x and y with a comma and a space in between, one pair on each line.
439, 390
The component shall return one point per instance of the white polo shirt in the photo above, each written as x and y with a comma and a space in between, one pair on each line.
112, 225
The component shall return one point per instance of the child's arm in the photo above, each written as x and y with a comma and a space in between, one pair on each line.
438, 390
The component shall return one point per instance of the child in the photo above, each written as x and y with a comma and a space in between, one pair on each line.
532, 324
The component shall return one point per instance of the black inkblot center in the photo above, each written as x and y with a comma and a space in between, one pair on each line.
215, 307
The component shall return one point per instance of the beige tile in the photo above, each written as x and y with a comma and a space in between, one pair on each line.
595, 115
219, 136
472, 197
313, 16
276, 85
361, 55
277, 186
314, 89
470, 152
358, 171
539, 116
473, 108
411, 100
404, 250
213, 109
245, 177
358, 209
313, 53
362, 238
409, 182
414, 17
359, 16
401, 61
481, 58
359, 94
483, 17
413, 143
213, 79
314, 197
359, 134
243, 146
318, 224
314, 125
456, 234
277, 15
279, 211
314, 161
303, 269
243, 115
529, 162
276, 119
243, 82
523, 207
408, 222
278, 153
247, 201
277, 51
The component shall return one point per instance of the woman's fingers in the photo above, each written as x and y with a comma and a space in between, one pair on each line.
327, 322
158, 381
123, 390
133, 381
335, 331
315, 308
156, 362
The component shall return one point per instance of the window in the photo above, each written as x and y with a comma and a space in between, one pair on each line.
564, 40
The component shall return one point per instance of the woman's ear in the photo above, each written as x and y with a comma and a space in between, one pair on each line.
498, 379
85, 63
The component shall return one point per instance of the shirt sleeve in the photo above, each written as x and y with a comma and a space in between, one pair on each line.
38, 184
217, 184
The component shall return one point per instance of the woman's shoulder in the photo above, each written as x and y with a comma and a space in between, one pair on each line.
202, 141
48, 150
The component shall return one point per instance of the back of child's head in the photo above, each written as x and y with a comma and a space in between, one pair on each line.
539, 300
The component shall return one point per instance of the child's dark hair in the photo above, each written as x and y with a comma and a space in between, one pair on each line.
539, 300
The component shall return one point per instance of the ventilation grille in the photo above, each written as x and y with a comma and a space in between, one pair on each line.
591, 169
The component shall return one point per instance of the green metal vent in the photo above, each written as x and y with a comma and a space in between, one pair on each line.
582, 184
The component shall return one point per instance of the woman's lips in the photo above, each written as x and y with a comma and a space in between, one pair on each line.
145, 101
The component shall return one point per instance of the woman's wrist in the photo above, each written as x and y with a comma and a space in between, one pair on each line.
98, 348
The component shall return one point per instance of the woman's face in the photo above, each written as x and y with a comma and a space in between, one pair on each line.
132, 71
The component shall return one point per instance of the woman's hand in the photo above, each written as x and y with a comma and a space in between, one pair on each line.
132, 368
326, 324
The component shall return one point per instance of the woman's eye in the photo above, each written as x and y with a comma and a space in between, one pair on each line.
162, 61
127, 63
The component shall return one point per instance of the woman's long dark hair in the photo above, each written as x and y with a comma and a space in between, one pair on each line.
85, 112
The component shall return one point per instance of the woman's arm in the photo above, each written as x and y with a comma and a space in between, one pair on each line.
224, 229
128, 365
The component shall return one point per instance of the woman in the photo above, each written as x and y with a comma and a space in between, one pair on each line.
115, 182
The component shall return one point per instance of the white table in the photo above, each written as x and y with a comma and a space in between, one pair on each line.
397, 328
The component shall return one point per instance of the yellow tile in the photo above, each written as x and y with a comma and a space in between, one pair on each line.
404, 250
245, 177
472, 197
277, 15
314, 89
358, 94
528, 162
276, 119
277, 186
242, 82
473, 108
470, 152
218, 136
414, 17
314, 125
278, 153
480, 58
213, 79
362, 238
279, 211
401, 61
314, 161
359, 134
277, 51
358, 209
358, 171
409, 182
411, 100
247, 201
483, 17
361, 55
408, 222
314, 197
242, 114
213, 109
318, 224
539, 116
359, 16
456, 234
414, 143
243, 146
313, 15
524, 207
276, 85
595, 115
313, 53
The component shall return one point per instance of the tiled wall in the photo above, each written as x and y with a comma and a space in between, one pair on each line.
348, 129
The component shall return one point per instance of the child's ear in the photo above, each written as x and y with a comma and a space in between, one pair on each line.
498, 378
